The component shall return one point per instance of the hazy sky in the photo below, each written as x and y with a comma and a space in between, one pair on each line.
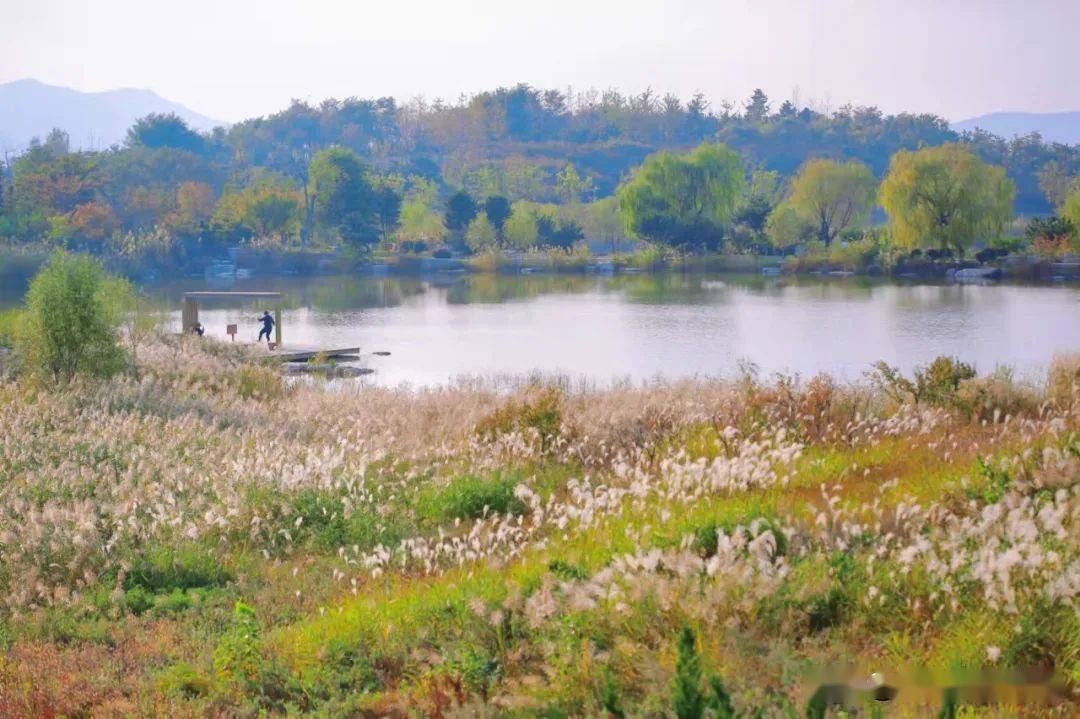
232, 59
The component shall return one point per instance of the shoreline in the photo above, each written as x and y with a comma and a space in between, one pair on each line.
17, 266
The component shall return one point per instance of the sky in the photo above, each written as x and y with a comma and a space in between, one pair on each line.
233, 59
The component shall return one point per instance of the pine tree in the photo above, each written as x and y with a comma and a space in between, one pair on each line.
689, 702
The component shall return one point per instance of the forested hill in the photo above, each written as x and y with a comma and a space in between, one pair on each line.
514, 140
251, 180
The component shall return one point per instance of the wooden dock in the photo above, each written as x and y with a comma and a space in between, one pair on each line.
303, 354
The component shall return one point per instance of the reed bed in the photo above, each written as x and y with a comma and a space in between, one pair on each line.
200, 538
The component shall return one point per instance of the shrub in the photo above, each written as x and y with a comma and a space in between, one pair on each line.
330, 524
574, 259
72, 311
257, 382
856, 255
997, 483
182, 679
1050, 236
469, 497
650, 257
489, 260
138, 600
567, 571
1063, 378
690, 700
237, 657
539, 412
936, 383
165, 569
174, 602
989, 254
475, 669
994, 395
350, 668
609, 696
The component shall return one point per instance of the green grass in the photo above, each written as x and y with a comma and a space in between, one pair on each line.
471, 497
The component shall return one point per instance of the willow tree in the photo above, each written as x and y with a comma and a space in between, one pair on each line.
521, 230
786, 228
1070, 209
945, 197
480, 234
420, 221
683, 200
832, 196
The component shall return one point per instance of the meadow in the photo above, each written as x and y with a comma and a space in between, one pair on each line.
199, 537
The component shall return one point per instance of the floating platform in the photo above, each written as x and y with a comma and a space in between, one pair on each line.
303, 354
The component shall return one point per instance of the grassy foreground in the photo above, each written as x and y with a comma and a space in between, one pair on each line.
198, 539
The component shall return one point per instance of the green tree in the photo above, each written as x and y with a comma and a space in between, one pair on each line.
945, 197
751, 216
1070, 211
1051, 236
420, 222
832, 196
344, 200
757, 107
688, 699
686, 200
238, 655
194, 206
786, 228
73, 309
523, 180
1056, 182
271, 208
497, 208
572, 187
521, 230
460, 211
480, 234
603, 221
552, 232
388, 197
164, 130
274, 211
58, 142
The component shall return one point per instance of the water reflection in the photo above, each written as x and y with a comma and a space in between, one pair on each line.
641, 326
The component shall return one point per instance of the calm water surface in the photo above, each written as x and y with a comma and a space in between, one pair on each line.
643, 327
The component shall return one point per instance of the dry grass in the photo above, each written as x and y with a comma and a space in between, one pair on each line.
438, 550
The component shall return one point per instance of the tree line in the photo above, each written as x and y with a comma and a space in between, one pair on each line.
515, 167
940, 199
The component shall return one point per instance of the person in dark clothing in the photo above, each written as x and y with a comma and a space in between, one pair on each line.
198, 329
267, 326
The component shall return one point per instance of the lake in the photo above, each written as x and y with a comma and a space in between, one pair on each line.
641, 327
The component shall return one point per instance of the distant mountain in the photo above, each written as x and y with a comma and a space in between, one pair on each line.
96, 120
1053, 126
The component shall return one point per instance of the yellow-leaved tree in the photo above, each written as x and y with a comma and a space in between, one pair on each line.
829, 197
945, 197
